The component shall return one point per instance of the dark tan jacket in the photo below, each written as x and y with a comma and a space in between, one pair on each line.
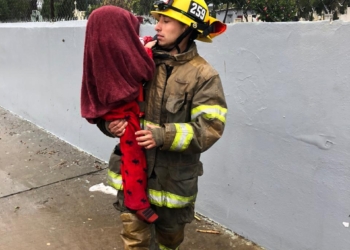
187, 102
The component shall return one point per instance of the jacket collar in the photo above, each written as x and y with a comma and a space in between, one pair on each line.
161, 56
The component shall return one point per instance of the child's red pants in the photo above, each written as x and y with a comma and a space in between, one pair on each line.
133, 160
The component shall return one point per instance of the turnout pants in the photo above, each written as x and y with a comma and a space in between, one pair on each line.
167, 233
168, 229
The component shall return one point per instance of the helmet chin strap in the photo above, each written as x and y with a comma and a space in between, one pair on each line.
178, 41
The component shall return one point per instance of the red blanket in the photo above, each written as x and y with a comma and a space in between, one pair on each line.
115, 62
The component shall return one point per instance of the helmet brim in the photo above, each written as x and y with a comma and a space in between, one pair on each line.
219, 27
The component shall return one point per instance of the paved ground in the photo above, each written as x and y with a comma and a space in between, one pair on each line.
45, 202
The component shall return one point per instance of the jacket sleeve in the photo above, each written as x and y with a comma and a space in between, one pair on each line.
208, 117
103, 126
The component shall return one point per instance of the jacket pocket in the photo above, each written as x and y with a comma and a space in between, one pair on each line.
178, 108
185, 172
175, 103
115, 160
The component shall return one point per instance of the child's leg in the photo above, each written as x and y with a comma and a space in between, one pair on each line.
134, 172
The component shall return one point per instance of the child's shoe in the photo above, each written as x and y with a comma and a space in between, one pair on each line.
147, 214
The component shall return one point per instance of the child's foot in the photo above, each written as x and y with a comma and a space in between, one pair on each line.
147, 214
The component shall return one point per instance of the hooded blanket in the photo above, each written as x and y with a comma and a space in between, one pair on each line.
115, 62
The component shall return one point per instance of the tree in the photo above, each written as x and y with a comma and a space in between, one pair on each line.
244, 5
66, 7
145, 7
18, 10
220, 3
275, 10
4, 10
52, 9
227, 6
285, 10
305, 9
125, 4
63, 9
48, 11
32, 4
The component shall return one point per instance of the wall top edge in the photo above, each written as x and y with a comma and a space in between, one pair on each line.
81, 23
291, 23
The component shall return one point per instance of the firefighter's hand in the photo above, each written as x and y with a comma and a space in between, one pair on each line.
145, 138
117, 127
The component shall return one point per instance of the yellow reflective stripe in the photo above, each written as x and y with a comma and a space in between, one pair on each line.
114, 180
166, 199
162, 247
142, 122
209, 112
145, 122
183, 137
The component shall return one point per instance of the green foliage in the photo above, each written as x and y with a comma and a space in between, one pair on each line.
21, 10
269, 10
4, 10
91, 8
145, 7
64, 8
14, 10
285, 10
275, 10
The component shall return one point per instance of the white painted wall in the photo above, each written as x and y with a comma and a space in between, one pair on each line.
280, 175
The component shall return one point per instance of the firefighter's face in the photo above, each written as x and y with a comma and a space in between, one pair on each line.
168, 30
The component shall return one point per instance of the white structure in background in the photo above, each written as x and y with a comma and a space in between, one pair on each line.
315, 16
235, 16
39, 4
79, 15
36, 15
345, 17
329, 17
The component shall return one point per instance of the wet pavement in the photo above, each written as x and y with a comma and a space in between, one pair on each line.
45, 202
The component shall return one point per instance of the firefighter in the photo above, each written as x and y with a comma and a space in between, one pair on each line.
185, 114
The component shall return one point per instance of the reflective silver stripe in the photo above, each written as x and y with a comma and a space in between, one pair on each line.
183, 137
167, 199
114, 180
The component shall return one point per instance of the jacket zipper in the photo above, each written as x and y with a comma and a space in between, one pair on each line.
168, 73
169, 69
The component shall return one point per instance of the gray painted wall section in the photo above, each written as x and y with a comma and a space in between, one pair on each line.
280, 175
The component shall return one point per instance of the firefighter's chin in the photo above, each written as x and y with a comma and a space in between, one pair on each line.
165, 45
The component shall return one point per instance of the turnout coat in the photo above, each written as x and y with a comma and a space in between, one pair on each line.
186, 103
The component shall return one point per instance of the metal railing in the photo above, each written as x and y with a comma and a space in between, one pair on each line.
64, 10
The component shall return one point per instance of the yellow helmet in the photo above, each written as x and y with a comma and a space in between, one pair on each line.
194, 13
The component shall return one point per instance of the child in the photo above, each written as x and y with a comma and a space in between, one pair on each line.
115, 65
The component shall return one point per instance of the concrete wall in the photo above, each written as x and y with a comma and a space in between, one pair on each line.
280, 175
